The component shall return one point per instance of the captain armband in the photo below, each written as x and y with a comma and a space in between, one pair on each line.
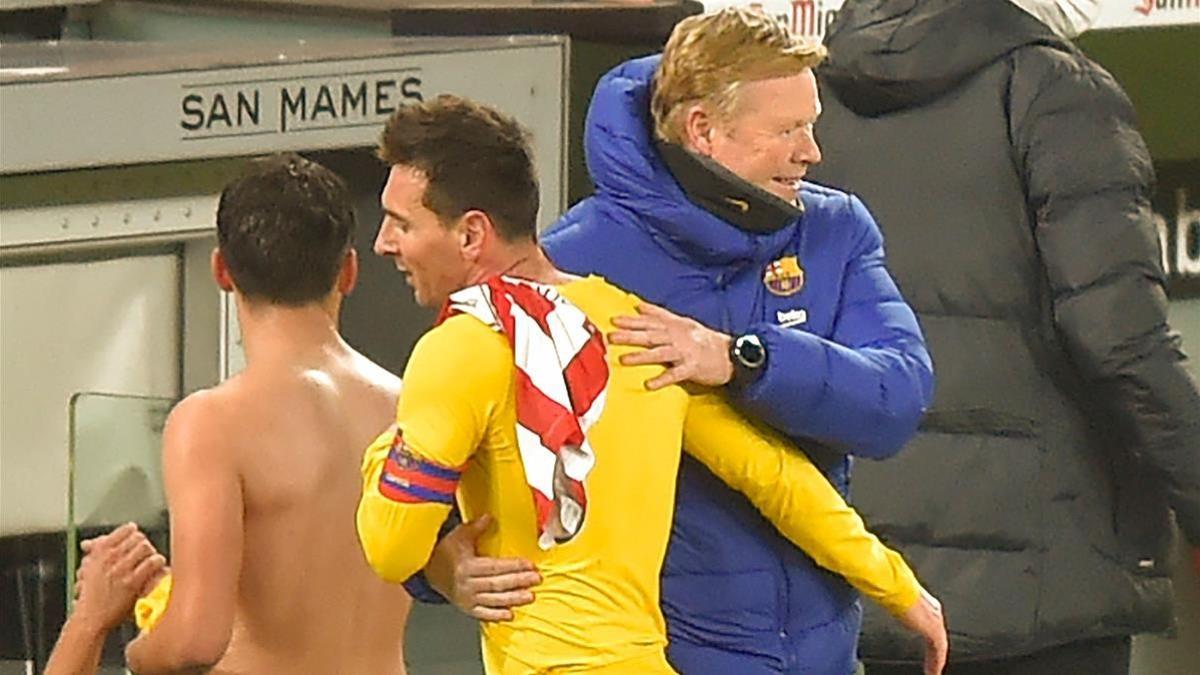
412, 480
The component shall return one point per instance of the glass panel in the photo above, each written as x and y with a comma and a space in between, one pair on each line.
115, 470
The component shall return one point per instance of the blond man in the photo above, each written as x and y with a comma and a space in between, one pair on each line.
699, 157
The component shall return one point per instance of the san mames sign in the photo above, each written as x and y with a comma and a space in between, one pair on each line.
291, 105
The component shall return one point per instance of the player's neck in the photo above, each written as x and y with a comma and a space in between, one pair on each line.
526, 261
272, 331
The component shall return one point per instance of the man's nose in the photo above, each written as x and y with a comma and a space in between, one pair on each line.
807, 150
382, 246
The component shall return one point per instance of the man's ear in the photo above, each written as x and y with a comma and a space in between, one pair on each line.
220, 271
475, 231
698, 129
348, 273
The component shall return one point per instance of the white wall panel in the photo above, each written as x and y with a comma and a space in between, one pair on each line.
107, 326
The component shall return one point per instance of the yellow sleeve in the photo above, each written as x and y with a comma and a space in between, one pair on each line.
458, 374
785, 486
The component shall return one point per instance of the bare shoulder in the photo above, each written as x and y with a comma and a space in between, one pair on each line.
375, 376
202, 422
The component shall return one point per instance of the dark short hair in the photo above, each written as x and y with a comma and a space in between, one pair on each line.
473, 157
284, 228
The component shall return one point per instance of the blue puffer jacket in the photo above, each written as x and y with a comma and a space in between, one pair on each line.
847, 372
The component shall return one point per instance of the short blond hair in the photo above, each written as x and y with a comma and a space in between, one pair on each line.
708, 56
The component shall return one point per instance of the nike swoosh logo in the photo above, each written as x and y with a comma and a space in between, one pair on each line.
738, 204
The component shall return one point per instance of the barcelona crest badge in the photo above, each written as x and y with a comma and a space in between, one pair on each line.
784, 277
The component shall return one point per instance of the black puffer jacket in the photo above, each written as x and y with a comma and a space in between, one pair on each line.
1012, 187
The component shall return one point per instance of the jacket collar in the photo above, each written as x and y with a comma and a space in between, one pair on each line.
719, 191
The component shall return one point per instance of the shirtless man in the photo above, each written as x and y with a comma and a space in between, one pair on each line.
261, 471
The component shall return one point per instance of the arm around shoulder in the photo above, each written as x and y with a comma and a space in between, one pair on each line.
792, 493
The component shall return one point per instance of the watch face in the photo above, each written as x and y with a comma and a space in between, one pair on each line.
750, 352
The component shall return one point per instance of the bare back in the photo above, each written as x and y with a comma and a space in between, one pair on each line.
307, 601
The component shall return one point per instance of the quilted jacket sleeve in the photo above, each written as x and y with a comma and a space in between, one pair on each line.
864, 390
1089, 180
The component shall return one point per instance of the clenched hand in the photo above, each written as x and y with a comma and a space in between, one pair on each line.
118, 568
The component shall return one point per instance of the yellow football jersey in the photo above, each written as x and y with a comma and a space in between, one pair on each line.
597, 606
